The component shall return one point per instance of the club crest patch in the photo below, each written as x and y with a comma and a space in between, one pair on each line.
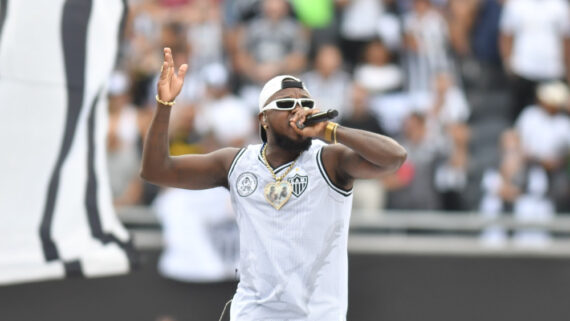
246, 184
299, 184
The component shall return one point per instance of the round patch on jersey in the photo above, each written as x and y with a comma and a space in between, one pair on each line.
246, 184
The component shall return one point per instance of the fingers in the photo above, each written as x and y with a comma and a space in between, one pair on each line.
300, 114
163, 70
168, 65
167, 69
182, 71
297, 126
168, 57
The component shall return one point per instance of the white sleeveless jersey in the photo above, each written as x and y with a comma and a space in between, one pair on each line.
293, 261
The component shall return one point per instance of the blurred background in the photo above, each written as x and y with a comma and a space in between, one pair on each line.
454, 81
475, 224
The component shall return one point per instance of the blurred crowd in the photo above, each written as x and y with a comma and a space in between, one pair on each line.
476, 90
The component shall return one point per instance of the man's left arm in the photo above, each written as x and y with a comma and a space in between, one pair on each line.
361, 154
358, 154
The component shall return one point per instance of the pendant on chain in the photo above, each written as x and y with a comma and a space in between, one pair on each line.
278, 193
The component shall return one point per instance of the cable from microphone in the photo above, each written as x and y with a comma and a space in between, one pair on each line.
317, 118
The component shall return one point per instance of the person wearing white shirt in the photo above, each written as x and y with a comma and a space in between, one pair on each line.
377, 73
544, 134
535, 46
358, 26
292, 198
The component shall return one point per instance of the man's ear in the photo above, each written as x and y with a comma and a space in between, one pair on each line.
262, 119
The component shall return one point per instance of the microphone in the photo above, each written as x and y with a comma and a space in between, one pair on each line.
318, 117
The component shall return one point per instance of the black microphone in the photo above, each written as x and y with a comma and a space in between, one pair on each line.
318, 117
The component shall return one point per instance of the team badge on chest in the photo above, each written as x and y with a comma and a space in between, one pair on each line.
299, 184
246, 184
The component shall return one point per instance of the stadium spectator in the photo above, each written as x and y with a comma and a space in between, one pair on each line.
359, 114
460, 18
271, 44
426, 43
412, 186
329, 83
240, 11
377, 73
544, 131
520, 187
447, 116
123, 134
502, 187
389, 26
447, 104
145, 24
222, 118
205, 33
535, 46
358, 25
320, 18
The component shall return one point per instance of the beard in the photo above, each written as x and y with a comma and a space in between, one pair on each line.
288, 144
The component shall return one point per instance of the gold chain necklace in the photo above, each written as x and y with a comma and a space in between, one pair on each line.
280, 178
277, 193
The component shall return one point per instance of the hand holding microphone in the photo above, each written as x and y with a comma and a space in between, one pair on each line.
317, 118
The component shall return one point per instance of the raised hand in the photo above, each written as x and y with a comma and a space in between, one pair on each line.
170, 82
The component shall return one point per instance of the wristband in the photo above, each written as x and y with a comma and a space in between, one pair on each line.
165, 103
330, 132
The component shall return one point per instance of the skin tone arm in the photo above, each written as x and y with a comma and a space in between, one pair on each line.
188, 171
359, 154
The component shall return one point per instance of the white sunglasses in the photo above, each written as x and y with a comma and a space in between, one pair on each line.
290, 103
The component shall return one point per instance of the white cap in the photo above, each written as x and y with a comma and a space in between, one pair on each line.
276, 84
553, 93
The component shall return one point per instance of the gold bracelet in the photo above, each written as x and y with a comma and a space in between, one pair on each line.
165, 103
334, 133
330, 132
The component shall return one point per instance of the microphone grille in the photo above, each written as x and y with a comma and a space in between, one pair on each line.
332, 113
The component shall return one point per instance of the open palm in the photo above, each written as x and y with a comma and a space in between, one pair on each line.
170, 82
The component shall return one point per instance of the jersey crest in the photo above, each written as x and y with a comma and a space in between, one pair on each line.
246, 184
299, 183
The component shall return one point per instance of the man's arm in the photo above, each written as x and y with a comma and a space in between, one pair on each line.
359, 154
188, 171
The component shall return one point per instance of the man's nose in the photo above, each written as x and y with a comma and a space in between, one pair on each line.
297, 105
